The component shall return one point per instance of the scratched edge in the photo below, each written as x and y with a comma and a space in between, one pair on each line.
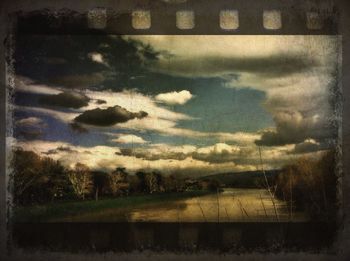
342, 112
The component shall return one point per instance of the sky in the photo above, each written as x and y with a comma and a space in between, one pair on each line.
187, 105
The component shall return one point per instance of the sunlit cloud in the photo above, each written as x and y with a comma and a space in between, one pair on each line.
59, 115
174, 98
26, 85
307, 146
97, 57
108, 158
166, 127
129, 138
219, 153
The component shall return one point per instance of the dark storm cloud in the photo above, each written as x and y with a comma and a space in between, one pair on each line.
60, 149
66, 60
99, 101
292, 127
222, 157
78, 81
78, 128
109, 116
308, 146
66, 99
147, 155
270, 66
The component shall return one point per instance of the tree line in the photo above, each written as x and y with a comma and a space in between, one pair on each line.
37, 180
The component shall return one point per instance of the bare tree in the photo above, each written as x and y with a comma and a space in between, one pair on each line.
81, 180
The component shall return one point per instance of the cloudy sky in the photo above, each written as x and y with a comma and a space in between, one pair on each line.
180, 104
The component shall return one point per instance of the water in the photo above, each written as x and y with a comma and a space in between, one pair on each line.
231, 205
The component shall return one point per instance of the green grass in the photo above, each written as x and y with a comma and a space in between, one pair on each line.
61, 211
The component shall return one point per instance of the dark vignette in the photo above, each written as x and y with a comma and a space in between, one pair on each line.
343, 236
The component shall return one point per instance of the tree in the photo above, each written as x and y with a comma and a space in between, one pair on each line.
81, 180
153, 181
134, 184
25, 175
118, 182
142, 186
36, 179
100, 183
57, 184
170, 183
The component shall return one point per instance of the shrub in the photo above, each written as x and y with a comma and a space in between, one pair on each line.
310, 185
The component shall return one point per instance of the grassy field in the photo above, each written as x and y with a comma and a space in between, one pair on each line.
91, 209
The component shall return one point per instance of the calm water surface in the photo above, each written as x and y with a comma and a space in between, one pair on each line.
231, 205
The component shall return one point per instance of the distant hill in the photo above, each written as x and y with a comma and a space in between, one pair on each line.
246, 179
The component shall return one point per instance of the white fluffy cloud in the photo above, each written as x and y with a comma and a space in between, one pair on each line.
97, 57
173, 98
90, 156
168, 127
217, 154
26, 85
129, 138
170, 159
134, 102
108, 158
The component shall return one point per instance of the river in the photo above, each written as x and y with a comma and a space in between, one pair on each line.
231, 205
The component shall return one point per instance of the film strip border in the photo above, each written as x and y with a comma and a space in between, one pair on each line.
128, 237
188, 17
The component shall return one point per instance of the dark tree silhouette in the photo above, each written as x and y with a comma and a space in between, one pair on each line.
100, 183
36, 179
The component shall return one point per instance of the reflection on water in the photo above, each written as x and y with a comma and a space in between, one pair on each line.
231, 205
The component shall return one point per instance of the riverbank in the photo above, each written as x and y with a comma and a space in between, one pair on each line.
90, 209
230, 205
